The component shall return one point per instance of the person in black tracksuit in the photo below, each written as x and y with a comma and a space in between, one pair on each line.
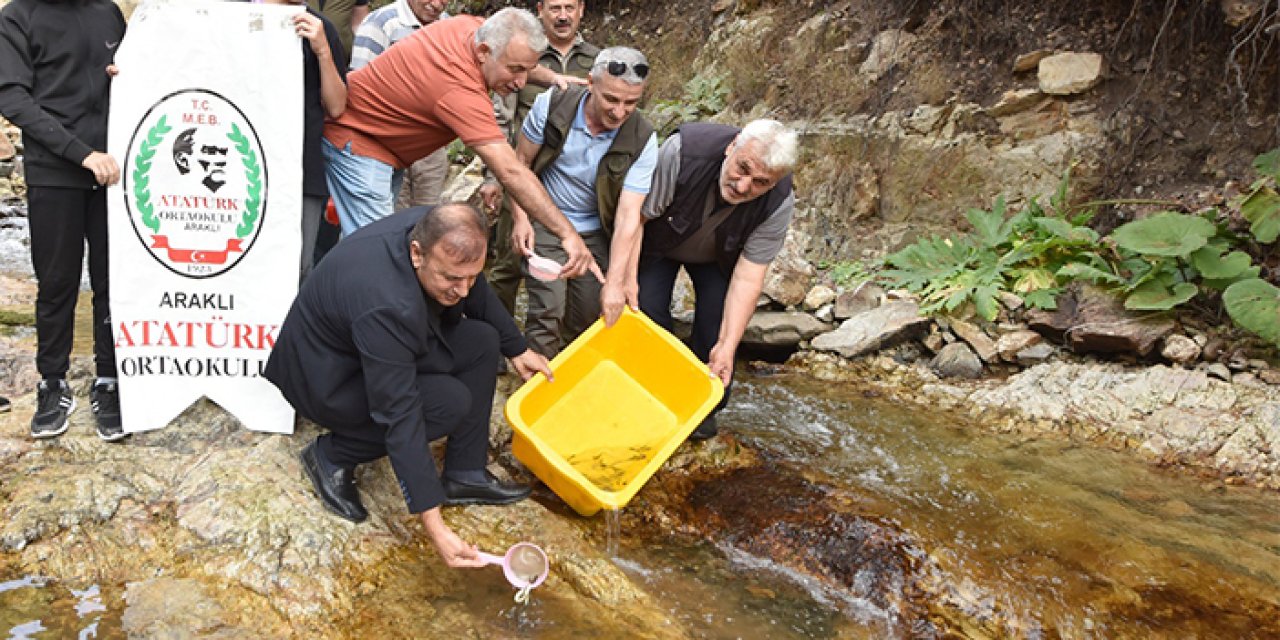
54, 85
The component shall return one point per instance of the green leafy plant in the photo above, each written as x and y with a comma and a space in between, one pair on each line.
844, 273
703, 96
1261, 206
1024, 253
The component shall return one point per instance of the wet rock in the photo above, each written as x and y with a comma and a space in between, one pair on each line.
876, 329
1069, 73
864, 297
1034, 354
818, 296
957, 360
1180, 349
1010, 344
982, 344
782, 328
211, 504
170, 608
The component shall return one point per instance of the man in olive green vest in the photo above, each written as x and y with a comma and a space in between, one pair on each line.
595, 155
567, 54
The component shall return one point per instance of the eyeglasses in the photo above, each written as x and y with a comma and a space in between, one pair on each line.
617, 68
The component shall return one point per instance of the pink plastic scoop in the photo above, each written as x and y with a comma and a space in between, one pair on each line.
544, 269
525, 566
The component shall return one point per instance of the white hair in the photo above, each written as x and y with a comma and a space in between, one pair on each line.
778, 145
625, 55
499, 29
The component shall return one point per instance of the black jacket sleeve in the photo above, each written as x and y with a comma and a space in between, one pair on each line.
17, 81
483, 304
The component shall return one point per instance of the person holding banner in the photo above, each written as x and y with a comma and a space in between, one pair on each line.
421, 94
54, 83
389, 345
324, 66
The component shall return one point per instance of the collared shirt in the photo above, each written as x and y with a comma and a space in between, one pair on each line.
764, 243
383, 28
571, 179
417, 97
511, 110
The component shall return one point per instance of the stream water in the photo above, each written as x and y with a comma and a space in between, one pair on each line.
1029, 538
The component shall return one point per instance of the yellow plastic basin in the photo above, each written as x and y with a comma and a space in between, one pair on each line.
624, 398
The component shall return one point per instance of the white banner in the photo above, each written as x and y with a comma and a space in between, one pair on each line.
205, 225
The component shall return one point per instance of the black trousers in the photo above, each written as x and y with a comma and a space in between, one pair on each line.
456, 387
657, 280
61, 220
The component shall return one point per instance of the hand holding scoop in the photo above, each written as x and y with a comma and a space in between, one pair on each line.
544, 269
525, 566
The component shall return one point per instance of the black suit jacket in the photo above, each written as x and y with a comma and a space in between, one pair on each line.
358, 335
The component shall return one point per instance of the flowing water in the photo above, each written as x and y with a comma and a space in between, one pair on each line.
1025, 538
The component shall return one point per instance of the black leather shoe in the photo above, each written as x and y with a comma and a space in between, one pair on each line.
493, 491
335, 486
705, 431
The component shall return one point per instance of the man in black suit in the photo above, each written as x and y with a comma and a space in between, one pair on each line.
389, 345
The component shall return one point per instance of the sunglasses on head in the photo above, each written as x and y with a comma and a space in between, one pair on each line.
620, 68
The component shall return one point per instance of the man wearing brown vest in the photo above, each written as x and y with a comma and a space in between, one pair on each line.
569, 55
595, 155
719, 208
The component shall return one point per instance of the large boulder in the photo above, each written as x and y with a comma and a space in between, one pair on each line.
875, 329
782, 328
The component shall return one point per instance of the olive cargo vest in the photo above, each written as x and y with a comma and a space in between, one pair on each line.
577, 63
702, 147
612, 171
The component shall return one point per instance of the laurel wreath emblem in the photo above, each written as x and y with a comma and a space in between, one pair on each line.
142, 179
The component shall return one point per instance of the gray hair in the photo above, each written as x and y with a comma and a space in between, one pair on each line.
461, 228
625, 55
500, 28
778, 145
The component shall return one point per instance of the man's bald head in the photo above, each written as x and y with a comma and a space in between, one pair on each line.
459, 228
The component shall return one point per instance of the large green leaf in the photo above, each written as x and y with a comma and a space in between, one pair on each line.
990, 226
1268, 164
1165, 234
1255, 305
1220, 284
1262, 210
1081, 271
1042, 299
1212, 264
1156, 296
927, 260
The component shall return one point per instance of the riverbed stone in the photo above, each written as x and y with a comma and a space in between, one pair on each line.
1180, 349
864, 297
818, 296
981, 343
1034, 354
789, 276
1009, 344
873, 330
1069, 73
957, 360
782, 328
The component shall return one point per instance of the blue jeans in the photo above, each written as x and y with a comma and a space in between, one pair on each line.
363, 189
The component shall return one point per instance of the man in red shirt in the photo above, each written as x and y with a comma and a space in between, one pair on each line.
428, 89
